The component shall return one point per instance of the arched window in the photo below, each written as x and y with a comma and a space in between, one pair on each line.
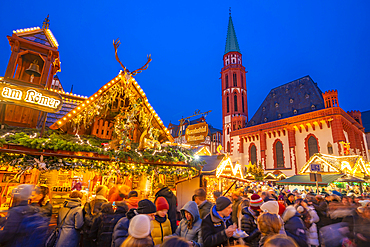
227, 81
227, 104
312, 146
228, 147
330, 148
241, 81
279, 155
235, 102
253, 155
235, 83
243, 103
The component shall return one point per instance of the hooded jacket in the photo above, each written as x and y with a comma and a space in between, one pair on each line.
70, 234
194, 234
120, 231
161, 227
249, 225
172, 202
213, 229
204, 208
294, 226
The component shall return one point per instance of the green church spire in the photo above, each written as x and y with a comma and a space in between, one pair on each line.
231, 40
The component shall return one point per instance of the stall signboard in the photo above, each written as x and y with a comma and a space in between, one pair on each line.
32, 97
196, 133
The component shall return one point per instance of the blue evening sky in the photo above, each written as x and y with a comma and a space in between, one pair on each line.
280, 41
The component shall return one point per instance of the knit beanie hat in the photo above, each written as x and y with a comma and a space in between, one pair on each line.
101, 190
139, 226
132, 193
161, 204
255, 202
271, 206
146, 207
222, 203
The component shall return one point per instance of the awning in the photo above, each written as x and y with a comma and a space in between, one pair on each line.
305, 180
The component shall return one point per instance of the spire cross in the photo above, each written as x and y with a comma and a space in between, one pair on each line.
229, 11
45, 24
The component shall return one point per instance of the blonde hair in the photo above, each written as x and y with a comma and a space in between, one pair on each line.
280, 240
269, 223
138, 242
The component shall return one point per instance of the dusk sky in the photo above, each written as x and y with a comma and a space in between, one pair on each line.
280, 41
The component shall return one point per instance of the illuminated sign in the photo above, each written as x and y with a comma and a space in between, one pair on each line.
32, 97
196, 133
227, 168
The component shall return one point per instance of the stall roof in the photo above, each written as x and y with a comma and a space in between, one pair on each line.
212, 162
305, 180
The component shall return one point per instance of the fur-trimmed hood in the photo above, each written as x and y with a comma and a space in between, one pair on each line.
289, 212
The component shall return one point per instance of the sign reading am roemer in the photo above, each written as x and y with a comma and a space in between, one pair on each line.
196, 133
32, 97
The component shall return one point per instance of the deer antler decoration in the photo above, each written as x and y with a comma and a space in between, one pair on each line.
116, 44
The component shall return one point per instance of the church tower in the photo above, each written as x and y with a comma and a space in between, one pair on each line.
233, 86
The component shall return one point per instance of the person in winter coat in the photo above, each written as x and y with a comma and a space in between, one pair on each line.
132, 199
161, 225
294, 226
139, 232
249, 221
103, 225
121, 230
237, 199
290, 199
272, 207
311, 232
121, 194
280, 240
217, 227
91, 210
172, 202
12, 233
204, 205
72, 214
269, 225
190, 225
321, 206
40, 197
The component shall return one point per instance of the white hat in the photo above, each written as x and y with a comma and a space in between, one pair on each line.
270, 206
139, 226
23, 192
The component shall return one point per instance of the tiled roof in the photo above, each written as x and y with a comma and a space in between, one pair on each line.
211, 162
67, 107
231, 40
42, 36
293, 98
365, 116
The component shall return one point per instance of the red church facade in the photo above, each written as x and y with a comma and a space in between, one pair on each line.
294, 121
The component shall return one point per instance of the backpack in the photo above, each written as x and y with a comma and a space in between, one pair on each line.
33, 229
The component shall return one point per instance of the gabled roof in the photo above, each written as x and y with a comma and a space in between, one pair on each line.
365, 116
42, 36
120, 79
231, 40
293, 98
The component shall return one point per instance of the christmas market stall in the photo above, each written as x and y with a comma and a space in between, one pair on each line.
337, 173
112, 137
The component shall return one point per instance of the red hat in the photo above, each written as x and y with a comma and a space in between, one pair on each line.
161, 204
255, 202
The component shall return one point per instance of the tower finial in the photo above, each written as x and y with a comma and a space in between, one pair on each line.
229, 11
45, 24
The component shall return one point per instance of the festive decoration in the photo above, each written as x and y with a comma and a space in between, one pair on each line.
256, 171
228, 169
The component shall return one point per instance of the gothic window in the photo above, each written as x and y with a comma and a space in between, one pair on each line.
312, 146
235, 102
227, 104
243, 103
228, 131
253, 154
228, 147
330, 148
227, 81
279, 156
235, 83
241, 81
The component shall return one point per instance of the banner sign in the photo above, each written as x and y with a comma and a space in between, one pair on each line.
32, 97
196, 133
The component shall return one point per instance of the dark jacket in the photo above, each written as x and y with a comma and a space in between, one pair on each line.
12, 234
204, 208
193, 234
103, 225
294, 226
321, 208
120, 231
249, 225
91, 210
172, 202
70, 234
213, 229
46, 209
234, 213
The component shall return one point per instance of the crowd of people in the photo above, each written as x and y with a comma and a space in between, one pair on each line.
256, 216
